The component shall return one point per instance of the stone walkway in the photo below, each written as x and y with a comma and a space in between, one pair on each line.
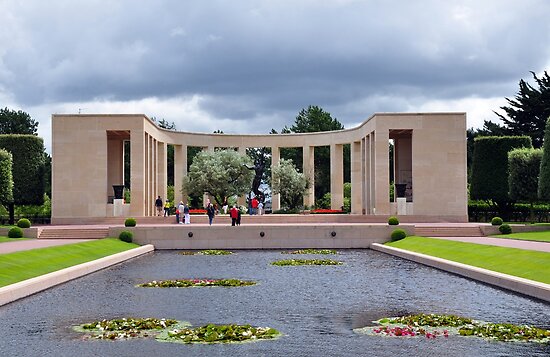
10, 247
503, 242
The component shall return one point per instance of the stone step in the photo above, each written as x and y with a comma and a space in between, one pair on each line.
74, 233
435, 231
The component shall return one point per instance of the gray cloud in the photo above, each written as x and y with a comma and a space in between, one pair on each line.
262, 61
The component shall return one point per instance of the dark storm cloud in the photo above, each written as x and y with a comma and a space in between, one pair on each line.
248, 59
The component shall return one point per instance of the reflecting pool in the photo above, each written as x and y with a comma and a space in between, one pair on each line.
315, 307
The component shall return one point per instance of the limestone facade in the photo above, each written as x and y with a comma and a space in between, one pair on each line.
429, 161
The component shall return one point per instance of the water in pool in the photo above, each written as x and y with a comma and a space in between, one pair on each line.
315, 307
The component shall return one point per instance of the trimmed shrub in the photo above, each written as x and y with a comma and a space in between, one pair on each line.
130, 222
126, 236
490, 166
496, 221
28, 167
6, 178
15, 232
505, 229
544, 176
24, 223
393, 221
523, 177
398, 234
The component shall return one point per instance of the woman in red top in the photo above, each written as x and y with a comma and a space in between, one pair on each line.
234, 214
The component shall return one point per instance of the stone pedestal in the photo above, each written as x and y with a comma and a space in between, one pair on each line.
401, 206
118, 207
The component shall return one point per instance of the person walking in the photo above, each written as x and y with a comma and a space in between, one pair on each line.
211, 212
186, 214
158, 205
233, 213
167, 208
260, 208
238, 217
179, 213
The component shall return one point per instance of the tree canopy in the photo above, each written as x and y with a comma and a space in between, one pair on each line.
17, 122
310, 120
289, 183
527, 112
220, 174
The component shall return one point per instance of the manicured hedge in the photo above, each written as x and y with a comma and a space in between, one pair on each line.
6, 178
523, 177
544, 177
28, 167
490, 166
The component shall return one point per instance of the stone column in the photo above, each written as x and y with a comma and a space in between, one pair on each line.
180, 171
275, 158
309, 170
137, 173
336, 176
382, 173
356, 178
206, 196
162, 172
241, 200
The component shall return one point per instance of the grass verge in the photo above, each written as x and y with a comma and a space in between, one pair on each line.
6, 239
526, 264
19, 266
543, 236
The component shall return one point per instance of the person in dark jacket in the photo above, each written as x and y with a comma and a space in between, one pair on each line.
211, 212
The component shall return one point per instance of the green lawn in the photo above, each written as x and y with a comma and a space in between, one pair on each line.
6, 239
543, 236
18, 266
526, 264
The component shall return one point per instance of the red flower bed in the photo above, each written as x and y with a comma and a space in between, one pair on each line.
326, 211
197, 211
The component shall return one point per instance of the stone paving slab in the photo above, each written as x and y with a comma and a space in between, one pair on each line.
19, 245
502, 242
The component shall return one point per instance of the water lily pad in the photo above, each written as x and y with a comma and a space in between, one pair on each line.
296, 262
189, 283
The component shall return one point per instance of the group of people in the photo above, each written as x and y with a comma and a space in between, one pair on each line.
183, 216
255, 207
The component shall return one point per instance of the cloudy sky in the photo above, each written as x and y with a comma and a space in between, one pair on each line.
249, 66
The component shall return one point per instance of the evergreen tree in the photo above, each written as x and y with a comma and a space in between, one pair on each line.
526, 114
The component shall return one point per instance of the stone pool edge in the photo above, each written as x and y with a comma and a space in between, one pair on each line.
519, 285
31, 286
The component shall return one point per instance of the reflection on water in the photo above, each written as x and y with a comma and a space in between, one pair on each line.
315, 307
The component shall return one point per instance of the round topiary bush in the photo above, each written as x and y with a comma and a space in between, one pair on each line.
15, 232
130, 222
393, 221
398, 234
505, 229
496, 221
126, 236
24, 223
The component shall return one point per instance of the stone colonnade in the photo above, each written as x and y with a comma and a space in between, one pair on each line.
430, 152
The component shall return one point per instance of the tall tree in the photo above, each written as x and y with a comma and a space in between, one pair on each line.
527, 113
17, 122
310, 120
220, 174
289, 183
